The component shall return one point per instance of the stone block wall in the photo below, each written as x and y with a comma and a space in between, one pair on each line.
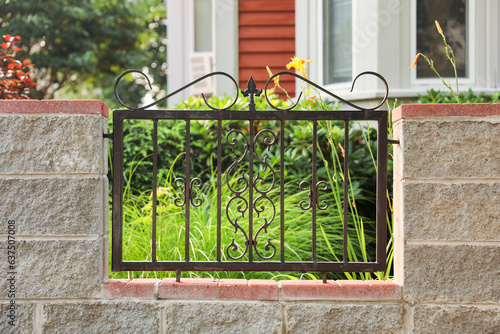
53, 165
447, 216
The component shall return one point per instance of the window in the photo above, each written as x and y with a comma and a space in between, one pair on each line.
337, 41
202, 26
451, 15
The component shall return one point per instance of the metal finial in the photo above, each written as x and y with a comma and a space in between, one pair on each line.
251, 91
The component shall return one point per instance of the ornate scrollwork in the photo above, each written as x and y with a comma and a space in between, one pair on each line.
237, 192
175, 92
188, 192
324, 187
328, 92
268, 140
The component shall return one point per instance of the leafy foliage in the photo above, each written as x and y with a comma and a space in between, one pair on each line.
83, 44
436, 96
15, 82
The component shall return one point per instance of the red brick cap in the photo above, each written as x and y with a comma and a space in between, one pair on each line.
241, 289
53, 106
445, 110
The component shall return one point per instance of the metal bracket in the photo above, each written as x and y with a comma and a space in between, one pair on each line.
108, 135
250, 242
393, 142
178, 275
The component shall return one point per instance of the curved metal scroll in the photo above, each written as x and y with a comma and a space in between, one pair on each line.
188, 192
269, 140
320, 185
177, 91
328, 92
241, 180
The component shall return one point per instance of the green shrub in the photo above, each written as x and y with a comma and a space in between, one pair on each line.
436, 96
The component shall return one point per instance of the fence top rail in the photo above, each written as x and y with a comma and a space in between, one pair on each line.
251, 91
368, 115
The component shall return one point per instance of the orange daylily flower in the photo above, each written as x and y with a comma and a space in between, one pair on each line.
440, 31
298, 64
415, 61
310, 98
276, 79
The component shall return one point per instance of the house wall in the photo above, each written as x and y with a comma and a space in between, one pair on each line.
266, 31
53, 165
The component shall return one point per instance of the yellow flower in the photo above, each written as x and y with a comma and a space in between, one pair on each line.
440, 31
415, 61
276, 79
298, 64
160, 192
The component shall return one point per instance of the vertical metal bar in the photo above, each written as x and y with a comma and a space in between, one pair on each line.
314, 189
219, 186
250, 191
117, 225
282, 191
187, 186
381, 190
155, 181
346, 188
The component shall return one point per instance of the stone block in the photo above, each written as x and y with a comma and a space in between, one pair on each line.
101, 318
53, 206
22, 315
51, 143
451, 149
456, 319
452, 273
344, 318
223, 317
456, 211
57, 269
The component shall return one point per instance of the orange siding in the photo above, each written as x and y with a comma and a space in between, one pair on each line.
266, 38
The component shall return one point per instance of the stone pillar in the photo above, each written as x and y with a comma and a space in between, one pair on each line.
53, 165
447, 216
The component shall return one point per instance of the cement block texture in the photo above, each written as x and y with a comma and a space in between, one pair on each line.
451, 149
344, 318
53, 206
452, 273
456, 319
23, 316
56, 269
51, 144
456, 211
220, 317
101, 318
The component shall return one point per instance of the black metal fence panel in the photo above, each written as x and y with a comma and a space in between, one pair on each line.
250, 191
